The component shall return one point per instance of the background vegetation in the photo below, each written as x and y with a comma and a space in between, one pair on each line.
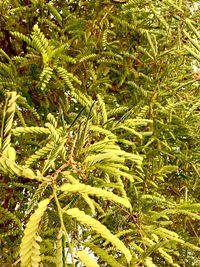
100, 124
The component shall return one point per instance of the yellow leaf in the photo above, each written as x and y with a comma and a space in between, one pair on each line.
28, 173
10, 153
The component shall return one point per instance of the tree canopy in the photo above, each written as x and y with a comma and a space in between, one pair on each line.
100, 133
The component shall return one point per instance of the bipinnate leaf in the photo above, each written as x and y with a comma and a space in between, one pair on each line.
103, 254
100, 229
29, 248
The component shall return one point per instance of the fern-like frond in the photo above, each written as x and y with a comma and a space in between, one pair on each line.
109, 156
102, 109
40, 43
130, 130
40, 153
87, 57
116, 111
87, 189
23, 37
30, 249
68, 78
52, 120
7, 121
101, 145
37, 196
22, 101
102, 131
58, 147
45, 77
103, 254
116, 172
74, 181
27, 130
100, 229
6, 215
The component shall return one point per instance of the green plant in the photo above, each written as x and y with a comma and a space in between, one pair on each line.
99, 141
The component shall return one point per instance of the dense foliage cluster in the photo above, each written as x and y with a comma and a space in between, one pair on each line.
99, 137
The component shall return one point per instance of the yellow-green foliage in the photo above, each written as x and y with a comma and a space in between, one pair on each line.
100, 229
86, 259
99, 133
30, 248
89, 190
